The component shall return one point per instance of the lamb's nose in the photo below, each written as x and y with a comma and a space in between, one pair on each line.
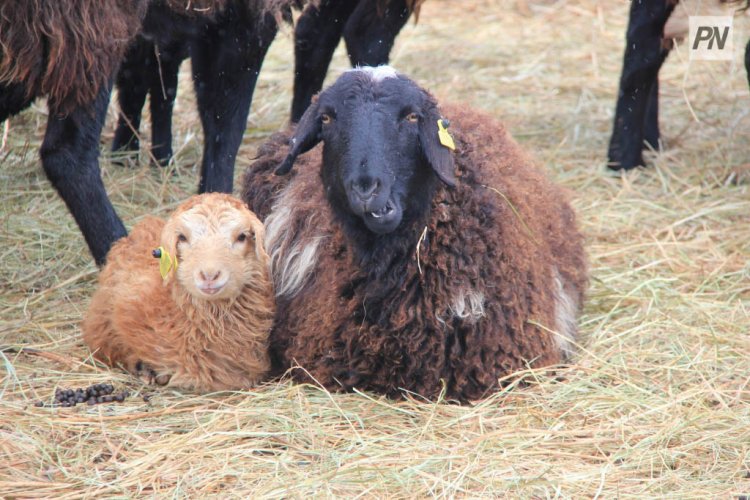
209, 276
365, 188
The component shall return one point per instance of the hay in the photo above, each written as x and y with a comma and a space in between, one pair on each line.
657, 403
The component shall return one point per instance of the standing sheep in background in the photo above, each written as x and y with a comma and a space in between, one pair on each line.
636, 123
70, 51
226, 50
411, 267
199, 317
369, 28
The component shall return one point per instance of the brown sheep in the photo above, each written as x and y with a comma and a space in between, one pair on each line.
400, 265
205, 325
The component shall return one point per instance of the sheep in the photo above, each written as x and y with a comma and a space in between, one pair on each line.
226, 50
369, 28
69, 52
399, 265
647, 43
199, 317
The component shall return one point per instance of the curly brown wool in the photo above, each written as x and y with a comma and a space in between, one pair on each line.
486, 282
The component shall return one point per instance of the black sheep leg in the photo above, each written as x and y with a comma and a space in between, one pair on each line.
226, 62
747, 61
162, 87
316, 36
370, 37
13, 100
651, 134
70, 159
131, 94
644, 55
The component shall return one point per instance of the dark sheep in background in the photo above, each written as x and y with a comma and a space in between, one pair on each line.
70, 51
226, 52
636, 123
369, 28
410, 267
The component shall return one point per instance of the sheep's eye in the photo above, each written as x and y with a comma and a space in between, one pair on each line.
325, 119
181, 238
242, 237
412, 117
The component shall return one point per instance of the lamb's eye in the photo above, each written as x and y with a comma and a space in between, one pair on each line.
242, 237
325, 119
412, 117
181, 238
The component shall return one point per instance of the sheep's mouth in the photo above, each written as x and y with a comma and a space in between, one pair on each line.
387, 210
385, 219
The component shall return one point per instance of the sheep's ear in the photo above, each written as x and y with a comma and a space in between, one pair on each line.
306, 136
437, 145
169, 243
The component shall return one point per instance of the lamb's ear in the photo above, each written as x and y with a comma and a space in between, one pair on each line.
169, 244
306, 136
260, 239
437, 146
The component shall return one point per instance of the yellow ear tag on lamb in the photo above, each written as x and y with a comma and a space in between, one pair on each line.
445, 138
166, 262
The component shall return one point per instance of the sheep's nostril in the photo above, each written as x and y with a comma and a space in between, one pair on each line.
209, 276
365, 188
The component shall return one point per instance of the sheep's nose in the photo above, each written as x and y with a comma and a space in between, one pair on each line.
365, 188
209, 276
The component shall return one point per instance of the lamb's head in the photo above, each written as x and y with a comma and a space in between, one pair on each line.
218, 244
382, 154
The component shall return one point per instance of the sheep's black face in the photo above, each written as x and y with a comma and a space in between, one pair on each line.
381, 151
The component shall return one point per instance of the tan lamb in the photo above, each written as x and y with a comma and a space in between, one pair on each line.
198, 315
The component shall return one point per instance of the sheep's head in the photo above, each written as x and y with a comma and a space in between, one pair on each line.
218, 243
381, 153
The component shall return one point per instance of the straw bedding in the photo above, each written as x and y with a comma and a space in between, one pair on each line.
657, 403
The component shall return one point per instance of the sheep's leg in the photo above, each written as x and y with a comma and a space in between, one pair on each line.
226, 62
316, 36
70, 158
13, 100
131, 94
651, 134
148, 375
370, 37
163, 90
644, 55
747, 61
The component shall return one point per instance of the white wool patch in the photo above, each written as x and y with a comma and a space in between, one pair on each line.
292, 262
377, 73
565, 317
467, 305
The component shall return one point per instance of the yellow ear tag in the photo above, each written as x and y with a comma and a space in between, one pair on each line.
166, 263
445, 138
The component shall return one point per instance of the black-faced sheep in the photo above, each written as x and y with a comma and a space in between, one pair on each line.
401, 265
636, 123
70, 51
197, 318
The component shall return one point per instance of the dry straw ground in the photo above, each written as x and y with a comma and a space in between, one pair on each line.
657, 403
